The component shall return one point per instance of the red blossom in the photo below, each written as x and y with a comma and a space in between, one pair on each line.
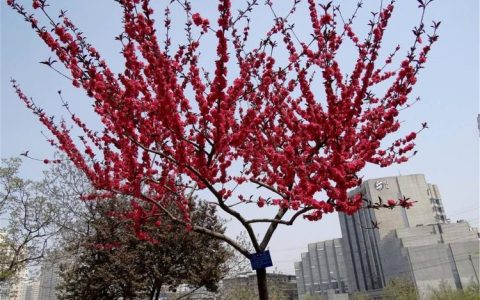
391, 202
406, 203
297, 128
411, 136
325, 19
197, 19
293, 58
36, 4
261, 202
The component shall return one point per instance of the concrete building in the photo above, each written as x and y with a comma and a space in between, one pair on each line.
4, 291
322, 271
49, 277
361, 241
32, 290
437, 205
430, 254
404, 237
12, 289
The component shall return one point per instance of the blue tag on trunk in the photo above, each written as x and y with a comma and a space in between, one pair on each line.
261, 260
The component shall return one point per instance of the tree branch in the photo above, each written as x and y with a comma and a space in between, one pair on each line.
271, 188
200, 229
212, 189
283, 222
271, 229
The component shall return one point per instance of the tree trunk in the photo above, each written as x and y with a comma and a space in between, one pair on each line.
262, 284
152, 293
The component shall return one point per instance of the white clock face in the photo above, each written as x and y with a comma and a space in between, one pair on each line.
380, 185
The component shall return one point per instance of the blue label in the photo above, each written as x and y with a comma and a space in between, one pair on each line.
261, 260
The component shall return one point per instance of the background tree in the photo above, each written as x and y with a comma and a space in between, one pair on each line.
30, 220
98, 240
238, 264
112, 263
259, 117
42, 215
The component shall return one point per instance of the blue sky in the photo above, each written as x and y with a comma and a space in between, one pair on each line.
448, 152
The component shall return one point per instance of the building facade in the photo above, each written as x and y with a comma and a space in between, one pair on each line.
383, 244
11, 289
32, 290
362, 238
437, 205
431, 254
49, 277
322, 271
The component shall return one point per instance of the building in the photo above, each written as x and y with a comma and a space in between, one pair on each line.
322, 271
49, 277
382, 244
361, 239
285, 285
32, 290
437, 205
4, 291
12, 288
431, 254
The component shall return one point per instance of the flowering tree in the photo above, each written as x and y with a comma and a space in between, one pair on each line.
281, 116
